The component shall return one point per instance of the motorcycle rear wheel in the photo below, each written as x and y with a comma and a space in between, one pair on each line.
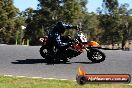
43, 51
46, 55
95, 55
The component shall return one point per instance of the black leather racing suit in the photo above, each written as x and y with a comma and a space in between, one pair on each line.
55, 37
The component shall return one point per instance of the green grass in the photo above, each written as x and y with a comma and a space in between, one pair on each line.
15, 82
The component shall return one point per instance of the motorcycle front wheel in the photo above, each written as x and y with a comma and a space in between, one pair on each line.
95, 55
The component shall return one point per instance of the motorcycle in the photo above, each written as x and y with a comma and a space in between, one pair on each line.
79, 45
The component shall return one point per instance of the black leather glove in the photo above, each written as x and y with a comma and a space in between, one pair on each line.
71, 41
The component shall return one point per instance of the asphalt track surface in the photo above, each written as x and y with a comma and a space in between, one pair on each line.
26, 61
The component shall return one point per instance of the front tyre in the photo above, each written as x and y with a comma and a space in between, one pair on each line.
95, 55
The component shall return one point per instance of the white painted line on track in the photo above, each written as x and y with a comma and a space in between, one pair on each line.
36, 77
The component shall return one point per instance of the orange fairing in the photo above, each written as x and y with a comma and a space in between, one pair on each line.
93, 43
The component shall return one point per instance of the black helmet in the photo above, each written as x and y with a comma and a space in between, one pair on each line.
60, 26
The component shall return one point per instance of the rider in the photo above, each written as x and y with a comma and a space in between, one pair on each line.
55, 37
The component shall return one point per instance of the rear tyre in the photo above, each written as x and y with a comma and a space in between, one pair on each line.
95, 55
43, 51
46, 55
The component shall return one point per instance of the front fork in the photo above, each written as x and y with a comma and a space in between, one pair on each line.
86, 48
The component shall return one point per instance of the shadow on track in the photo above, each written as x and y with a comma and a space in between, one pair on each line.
29, 61
84, 62
36, 61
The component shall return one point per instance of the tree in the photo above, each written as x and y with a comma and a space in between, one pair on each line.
125, 15
8, 13
49, 12
91, 26
31, 26
130, 27
110, 22
73, 11
69, 11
